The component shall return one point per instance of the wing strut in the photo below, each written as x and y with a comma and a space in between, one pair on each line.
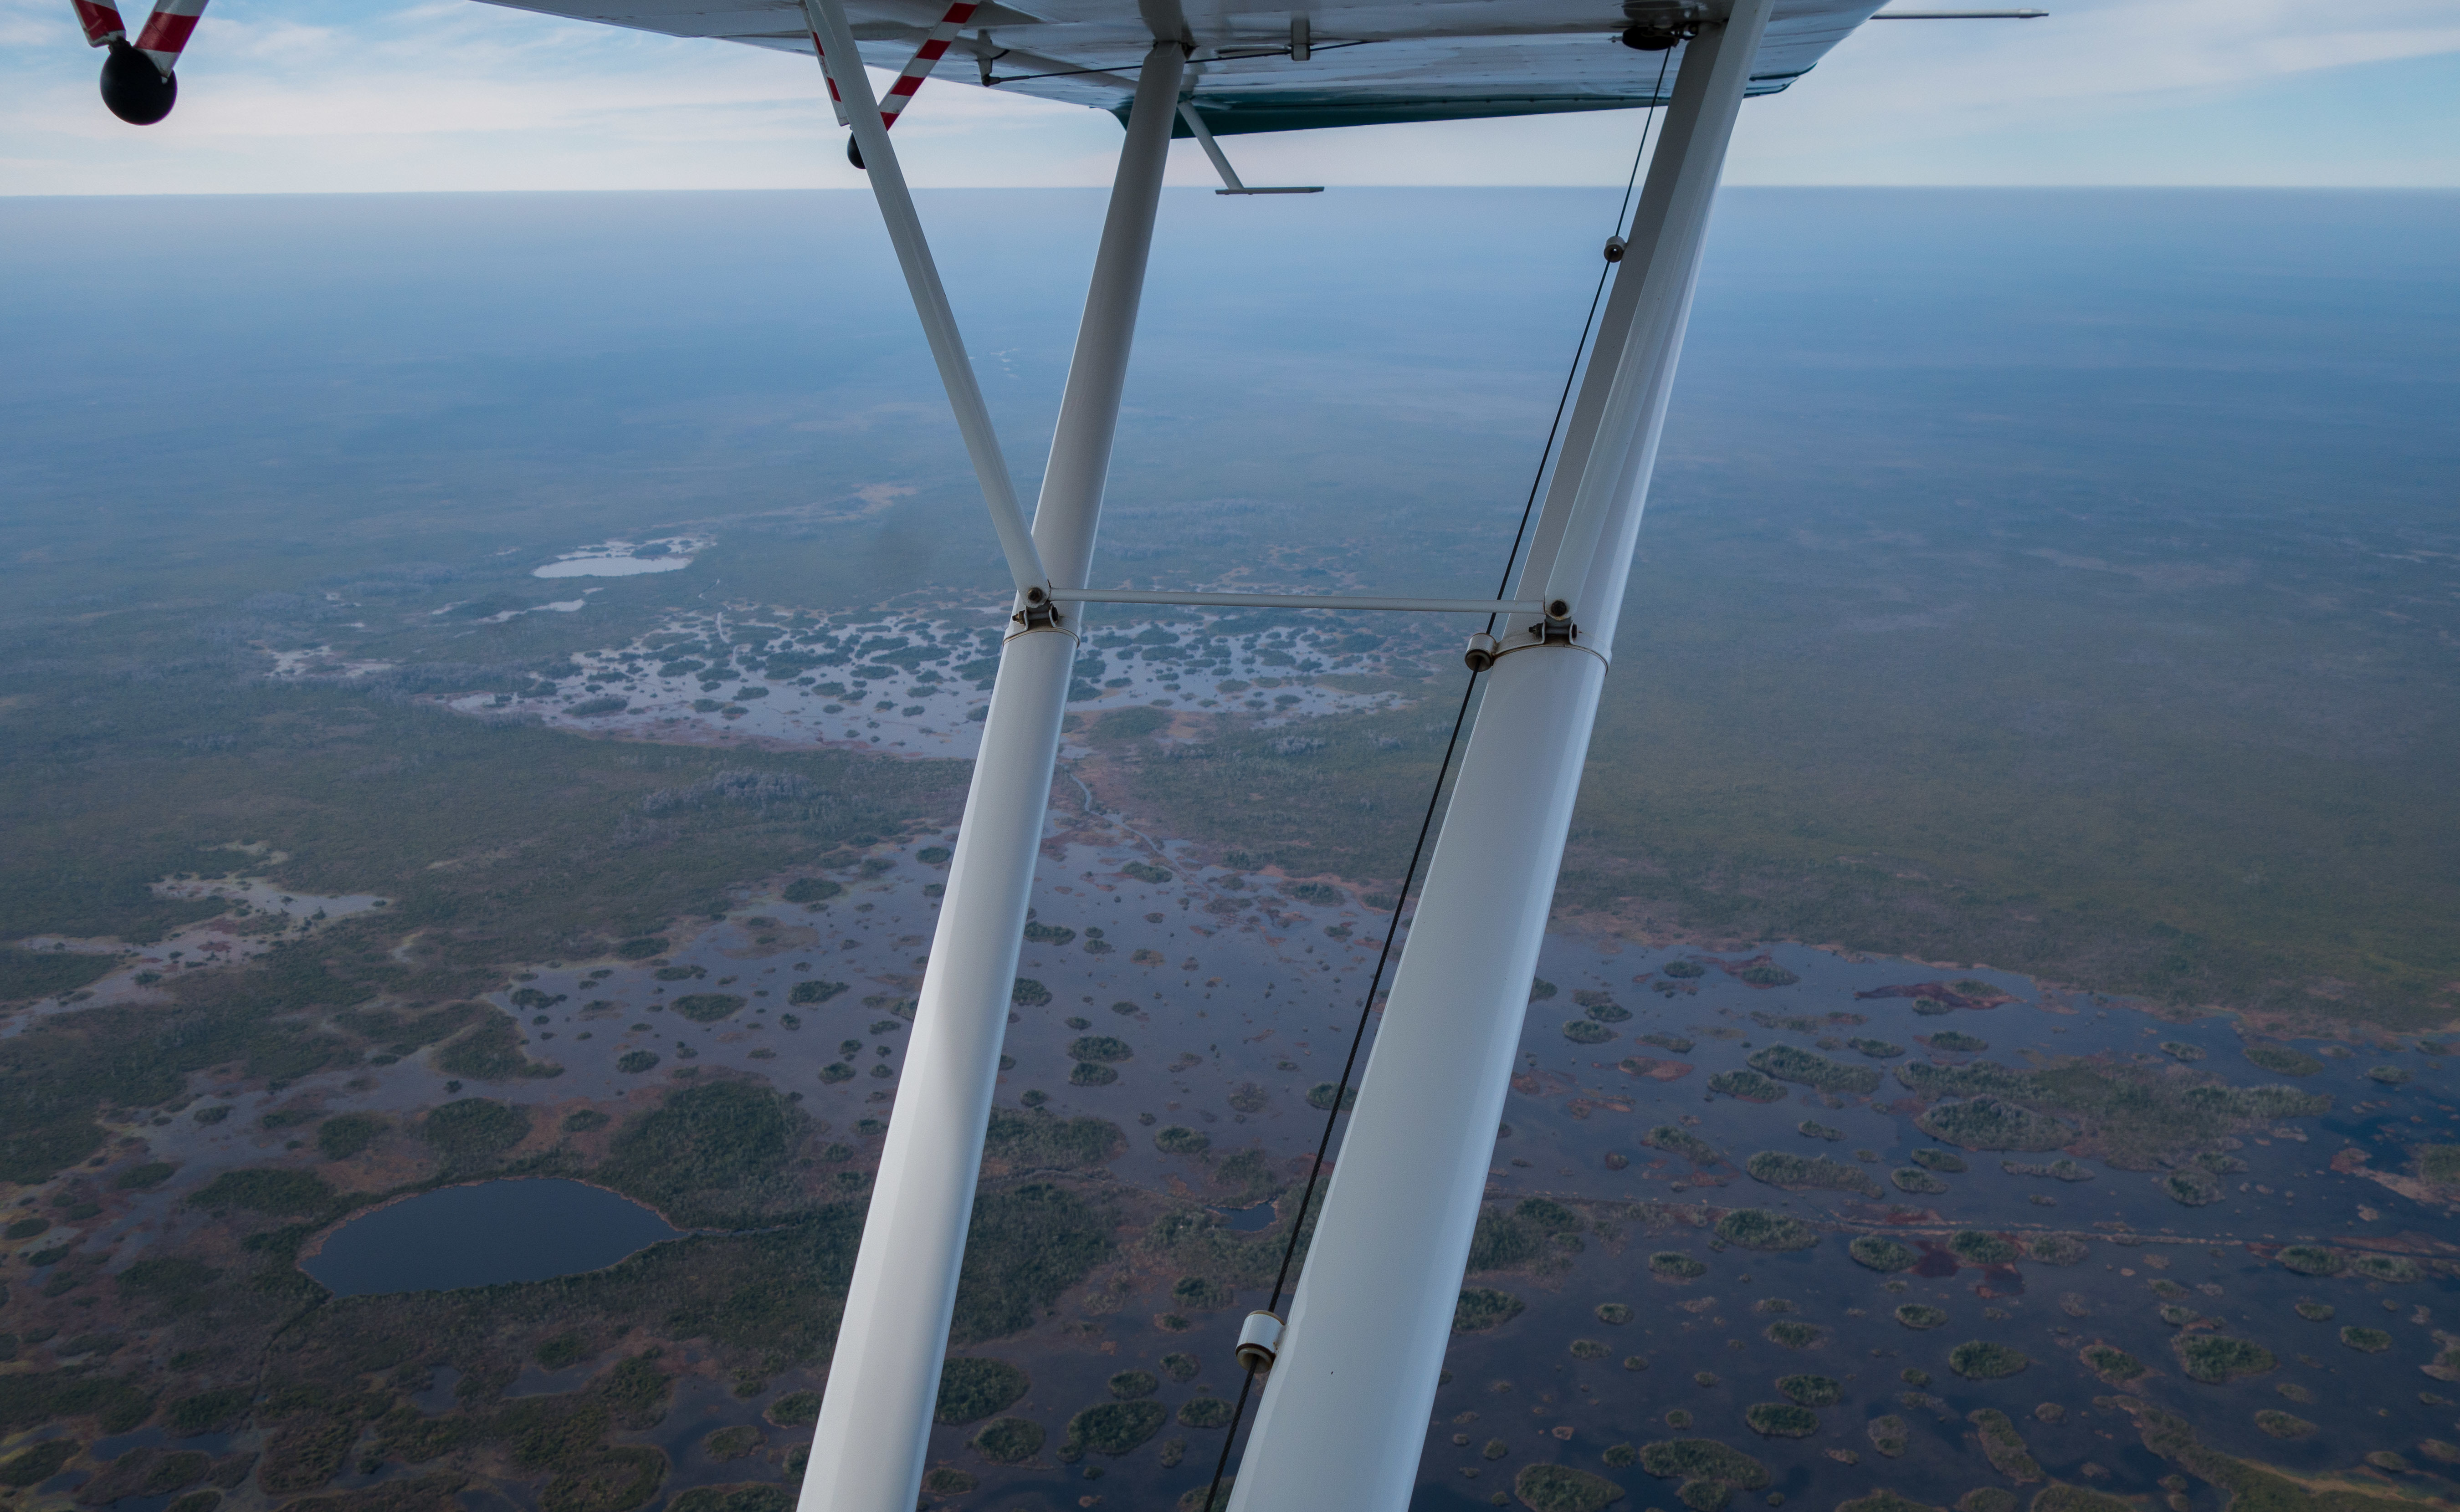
875, 1425
1344, 1416
835, 38
1221, 163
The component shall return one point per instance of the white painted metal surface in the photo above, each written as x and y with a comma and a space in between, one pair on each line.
826, 19
1367, 60
1343, 1413
1265, 600
874, 1431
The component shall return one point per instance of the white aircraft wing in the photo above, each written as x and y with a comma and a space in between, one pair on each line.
1366, 61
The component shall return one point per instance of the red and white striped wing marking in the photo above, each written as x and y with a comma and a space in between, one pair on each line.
101, 21
926, 58
166, 31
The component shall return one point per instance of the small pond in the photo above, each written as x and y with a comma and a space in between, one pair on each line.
484, 1234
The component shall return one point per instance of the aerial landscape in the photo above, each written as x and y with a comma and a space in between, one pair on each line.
482, 785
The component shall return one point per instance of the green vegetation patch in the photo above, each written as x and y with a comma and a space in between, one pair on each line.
1877, 1049
2060, 1497
1113, 1428
1483, 1308
25, 975
2315, 1312
1792, 1334
1983, 1248
1206, 1412
1781, 1420
1007, 1441
1674, 1263
2216, 1358
37, 1464
2191, 1188
1128, 1385
1938, 1160
492, 1052
1676, 1141
1758, 1228
1886, 1501
816, 991
2439, 1164
741, 1496
1615, 1312
1816, 1173
1958, 1043
2365, 1340
1560, 1489
475, 1128
719, 1156
2278, 1424
972, 1387
1749, 1087
610, 1481
279, 1193
1810, 1391
1982, 1359
1703, 1460
707, 1007
2056, 1248
2180, 1050
1789, 1063
1884, 1256
801, 1409
2386, 1268
1178, 1138
1584, 1031
2003, 1445
1890, 1435
1920, 1183
1103, 1048
1992, 1124
1921, 1315
1037, 1139
2282, 1061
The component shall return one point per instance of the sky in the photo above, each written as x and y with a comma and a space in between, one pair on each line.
381, 95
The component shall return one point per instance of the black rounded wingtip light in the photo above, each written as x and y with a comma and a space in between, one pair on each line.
854, 153
135, 90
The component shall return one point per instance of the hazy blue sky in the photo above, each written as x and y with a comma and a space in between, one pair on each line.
361, 94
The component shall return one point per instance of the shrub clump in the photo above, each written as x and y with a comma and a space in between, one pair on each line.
1758, 1228
1009, 1440
2310, 1260
2282, 1061
2003, 1445
972, 1389
707, 1007
1178, 1138
2281, 1425
1483, 1308
1810, 1391
1792, 1334
2216, 1359
807, 992
1789, 1063
1884, 1256
1676, 1264
1113, 1428
1983, 1248
1584, 1031
1992, 1124
1915, 1180
1681, 1142
1815, 1173
2056, 1248
1781, 1420
1981, 1360
1919, 1315
1748, 1085
2365, 1340
1560, 1488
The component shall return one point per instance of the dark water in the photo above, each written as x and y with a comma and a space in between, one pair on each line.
485, 1236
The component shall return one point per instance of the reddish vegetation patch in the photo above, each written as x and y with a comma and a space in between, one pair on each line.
1657, 1070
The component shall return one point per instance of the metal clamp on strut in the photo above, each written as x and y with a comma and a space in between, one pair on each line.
1039, 612
1260, 1343
1557, 628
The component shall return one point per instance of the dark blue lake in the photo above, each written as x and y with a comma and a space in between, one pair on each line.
484, 1234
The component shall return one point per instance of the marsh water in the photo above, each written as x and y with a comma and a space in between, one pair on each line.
486, 1233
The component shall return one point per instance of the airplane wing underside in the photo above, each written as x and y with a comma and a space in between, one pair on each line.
1366, 61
